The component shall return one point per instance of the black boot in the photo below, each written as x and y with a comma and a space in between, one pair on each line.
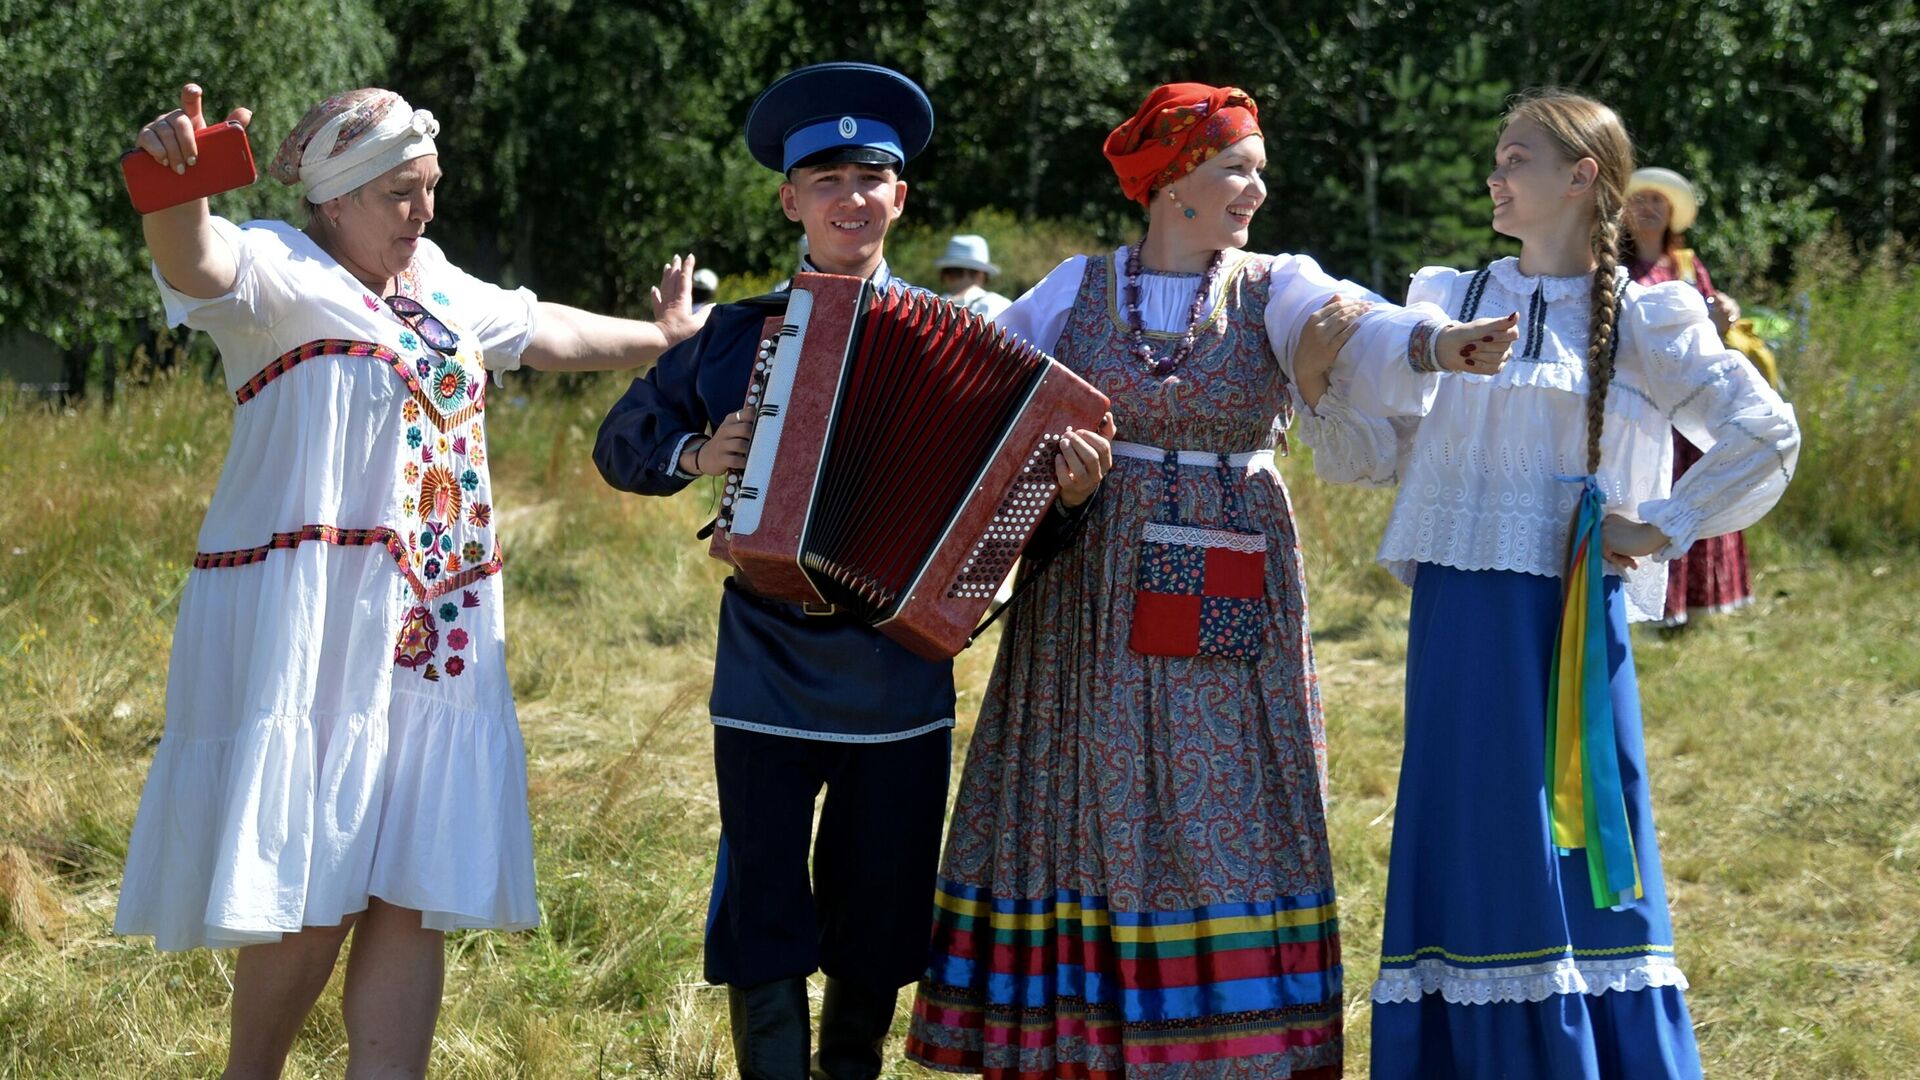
853, 1027
770, 1029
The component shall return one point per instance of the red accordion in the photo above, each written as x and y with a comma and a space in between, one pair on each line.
902, 457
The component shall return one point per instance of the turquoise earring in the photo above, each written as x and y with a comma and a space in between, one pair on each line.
1188, 211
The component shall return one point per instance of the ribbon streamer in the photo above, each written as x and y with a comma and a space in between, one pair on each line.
1585, 804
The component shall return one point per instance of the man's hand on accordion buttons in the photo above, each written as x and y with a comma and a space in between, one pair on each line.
1082, 462
727, 449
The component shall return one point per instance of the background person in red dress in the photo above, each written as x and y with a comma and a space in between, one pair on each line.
1661, 206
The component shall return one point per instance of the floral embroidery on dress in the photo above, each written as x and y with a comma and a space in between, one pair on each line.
440, 496
449, 386
419, 638
437, 531
447, 507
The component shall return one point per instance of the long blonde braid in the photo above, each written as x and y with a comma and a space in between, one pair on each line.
1584, 128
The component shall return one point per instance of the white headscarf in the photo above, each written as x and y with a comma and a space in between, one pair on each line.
349, 139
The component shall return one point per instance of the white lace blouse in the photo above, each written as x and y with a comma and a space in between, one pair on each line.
1483, 462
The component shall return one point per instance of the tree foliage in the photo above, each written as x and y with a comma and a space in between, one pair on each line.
79, 77
587, 140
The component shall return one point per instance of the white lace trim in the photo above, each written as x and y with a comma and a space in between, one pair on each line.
1160, 532
1557, 359
1527, 982
1507, 275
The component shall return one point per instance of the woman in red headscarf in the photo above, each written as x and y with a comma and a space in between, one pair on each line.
1137, 879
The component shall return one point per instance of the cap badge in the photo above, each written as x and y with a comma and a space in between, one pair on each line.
848, 129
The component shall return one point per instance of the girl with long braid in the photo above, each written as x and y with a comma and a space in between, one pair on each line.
1527, 931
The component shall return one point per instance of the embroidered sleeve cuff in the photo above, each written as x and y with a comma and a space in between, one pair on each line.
1422, 354
1681, 524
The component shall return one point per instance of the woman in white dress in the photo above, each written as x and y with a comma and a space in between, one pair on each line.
341, 751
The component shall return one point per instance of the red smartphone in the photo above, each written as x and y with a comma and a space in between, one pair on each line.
225, 163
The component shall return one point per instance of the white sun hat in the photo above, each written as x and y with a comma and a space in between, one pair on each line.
966, 252
1680, 194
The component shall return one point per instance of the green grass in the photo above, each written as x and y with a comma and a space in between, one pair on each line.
1786, 784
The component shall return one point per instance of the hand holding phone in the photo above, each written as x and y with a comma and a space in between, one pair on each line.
166, 168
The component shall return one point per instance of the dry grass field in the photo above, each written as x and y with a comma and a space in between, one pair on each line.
1781, 741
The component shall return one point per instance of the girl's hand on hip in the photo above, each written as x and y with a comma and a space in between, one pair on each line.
1626, 542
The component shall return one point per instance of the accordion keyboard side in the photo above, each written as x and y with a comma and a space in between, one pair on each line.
764, 506
956, 587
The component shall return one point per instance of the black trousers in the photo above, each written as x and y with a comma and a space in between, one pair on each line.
864, 916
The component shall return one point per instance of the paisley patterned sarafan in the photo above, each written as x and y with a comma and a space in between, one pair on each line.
1123, 814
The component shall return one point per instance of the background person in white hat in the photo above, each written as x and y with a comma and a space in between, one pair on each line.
705, 284
1661, 207
964, 270
1713, 576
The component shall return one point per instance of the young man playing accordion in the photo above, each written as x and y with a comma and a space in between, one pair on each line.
809, 696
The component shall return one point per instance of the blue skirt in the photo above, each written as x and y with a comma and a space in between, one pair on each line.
1495, 962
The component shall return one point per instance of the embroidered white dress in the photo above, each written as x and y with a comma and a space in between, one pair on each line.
339, 720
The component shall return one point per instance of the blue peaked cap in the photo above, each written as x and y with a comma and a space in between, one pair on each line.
868, 112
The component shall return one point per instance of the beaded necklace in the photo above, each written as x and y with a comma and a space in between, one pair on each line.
1137, 330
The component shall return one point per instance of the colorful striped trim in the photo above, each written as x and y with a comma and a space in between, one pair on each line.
293, 358
1222, 981
381, 536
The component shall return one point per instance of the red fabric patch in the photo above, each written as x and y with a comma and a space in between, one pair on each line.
1166, 625
1238, 574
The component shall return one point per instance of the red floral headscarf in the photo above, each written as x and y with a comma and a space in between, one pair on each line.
1179, 126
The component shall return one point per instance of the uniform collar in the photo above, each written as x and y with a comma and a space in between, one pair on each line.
881, 277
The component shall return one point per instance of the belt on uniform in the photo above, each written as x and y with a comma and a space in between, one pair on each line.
807, 607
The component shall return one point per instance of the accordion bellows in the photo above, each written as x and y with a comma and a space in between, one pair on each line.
901, 459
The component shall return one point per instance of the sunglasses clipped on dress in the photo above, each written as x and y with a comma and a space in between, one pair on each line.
431, 330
